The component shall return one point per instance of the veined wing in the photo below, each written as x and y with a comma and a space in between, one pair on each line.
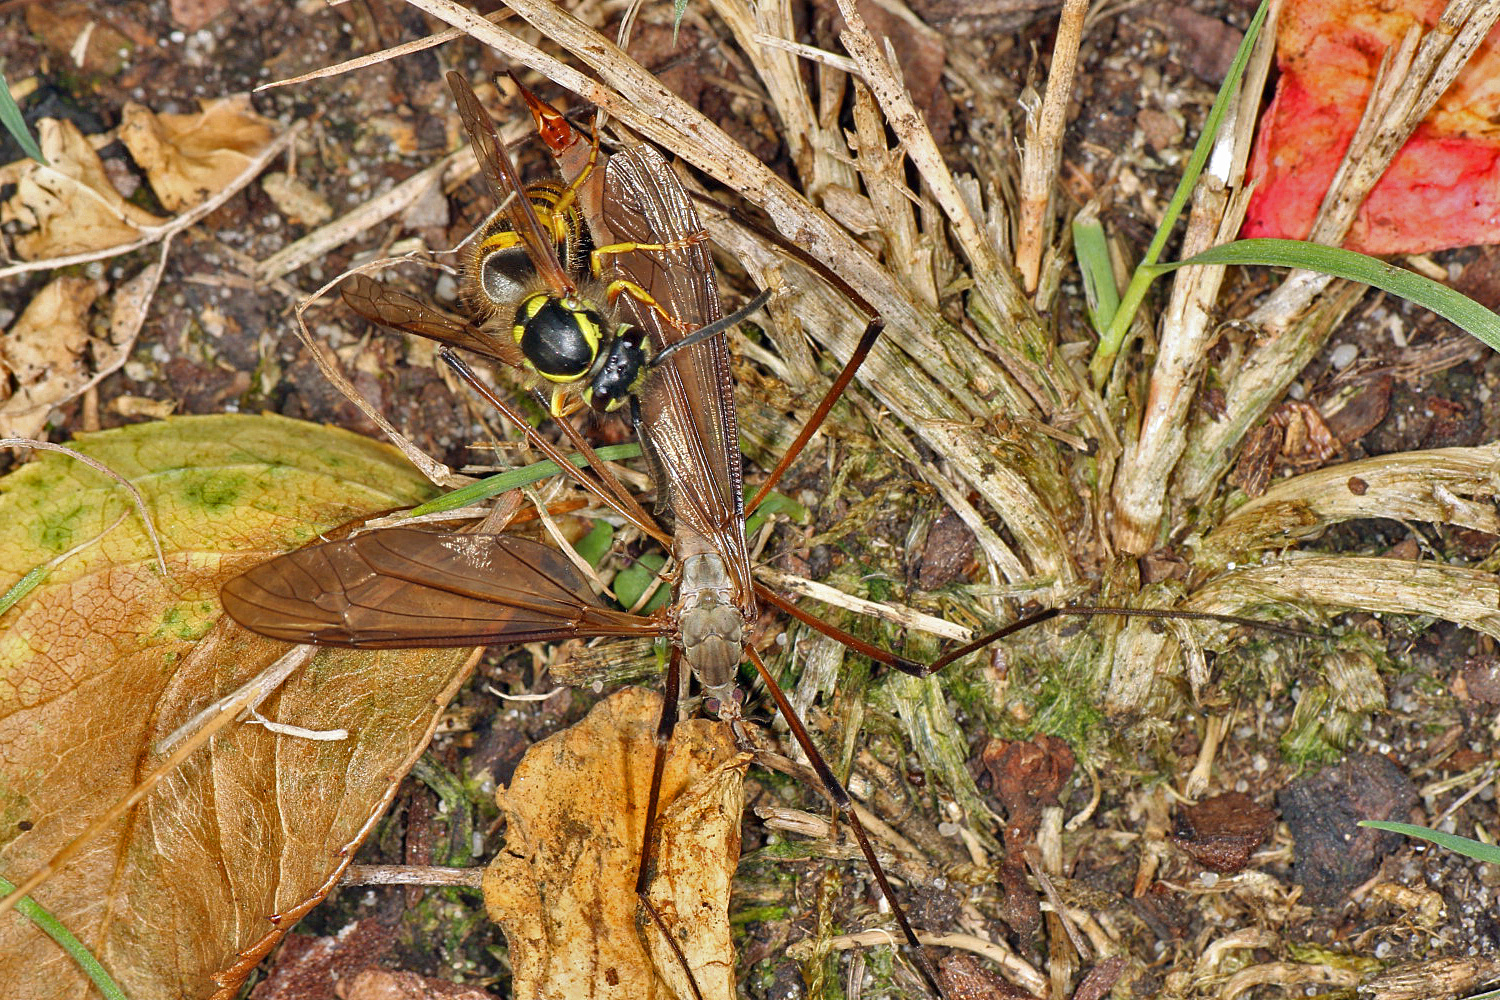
506, 186
381, 304
404, 588
688, 402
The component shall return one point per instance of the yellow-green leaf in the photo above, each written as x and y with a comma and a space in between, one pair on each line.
106, 657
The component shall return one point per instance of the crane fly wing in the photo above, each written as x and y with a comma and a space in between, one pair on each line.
688, 401
505, 185
381, 304
404, 588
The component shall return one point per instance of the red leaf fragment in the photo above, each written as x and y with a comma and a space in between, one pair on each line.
1443, 187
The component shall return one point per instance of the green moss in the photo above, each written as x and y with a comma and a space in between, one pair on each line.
213, 492
56, 529
760, 914
1066, 711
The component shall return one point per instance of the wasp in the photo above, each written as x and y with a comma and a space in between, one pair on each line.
532, 283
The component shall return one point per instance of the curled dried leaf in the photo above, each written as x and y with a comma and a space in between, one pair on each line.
187, 158
69, 206
44, 356
563, 887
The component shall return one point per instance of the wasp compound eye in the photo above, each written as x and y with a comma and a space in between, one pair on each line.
561, 343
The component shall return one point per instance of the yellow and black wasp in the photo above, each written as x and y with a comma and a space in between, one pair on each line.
531, 283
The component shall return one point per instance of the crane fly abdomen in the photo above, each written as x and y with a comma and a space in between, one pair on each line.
712, 625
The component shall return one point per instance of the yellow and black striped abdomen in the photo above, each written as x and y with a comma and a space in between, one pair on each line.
499, 273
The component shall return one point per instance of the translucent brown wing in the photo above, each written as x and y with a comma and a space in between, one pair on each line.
381, 304
688, 402
403, 588
505, 185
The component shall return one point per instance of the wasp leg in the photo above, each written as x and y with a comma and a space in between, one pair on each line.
570, 193
623, 286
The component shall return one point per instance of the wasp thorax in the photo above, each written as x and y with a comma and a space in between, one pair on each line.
559, 337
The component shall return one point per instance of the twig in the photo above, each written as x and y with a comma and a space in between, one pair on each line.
430, 875
318, 243
375, 58
104, 470
435, 471
896, 613
152, 234
1044, 135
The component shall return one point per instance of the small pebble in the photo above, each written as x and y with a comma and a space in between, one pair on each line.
1343, 356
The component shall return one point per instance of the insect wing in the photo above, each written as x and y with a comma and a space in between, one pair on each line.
506, 186
687, 403
381, 304
404, 588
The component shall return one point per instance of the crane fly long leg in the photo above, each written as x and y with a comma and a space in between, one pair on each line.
637, 513
874, 326
858, 645
621, 502
915, 669
664, 728
861, 351
845, 805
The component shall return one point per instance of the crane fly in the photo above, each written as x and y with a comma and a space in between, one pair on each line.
665, 357
401, 587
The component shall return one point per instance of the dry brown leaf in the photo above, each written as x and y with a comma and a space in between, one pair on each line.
74, 31
107, 657
298, 202
563, 888
187, 158
69, 206
44, 356
53, 353
382, 984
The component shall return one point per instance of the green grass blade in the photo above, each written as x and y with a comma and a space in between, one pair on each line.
1459, 845
516, 478
1135, 294
54, 929
1453, 306
24, 586
15, 124
1091, 250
